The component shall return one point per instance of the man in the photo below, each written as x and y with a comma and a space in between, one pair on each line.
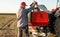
52, 20
57, 12
57, 22
22, 23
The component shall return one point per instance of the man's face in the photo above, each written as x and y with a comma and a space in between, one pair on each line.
24, 6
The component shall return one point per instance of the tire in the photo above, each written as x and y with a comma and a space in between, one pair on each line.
57, 26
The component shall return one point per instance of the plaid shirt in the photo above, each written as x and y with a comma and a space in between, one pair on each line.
22, 16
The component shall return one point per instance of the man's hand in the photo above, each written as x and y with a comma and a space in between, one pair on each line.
34, 3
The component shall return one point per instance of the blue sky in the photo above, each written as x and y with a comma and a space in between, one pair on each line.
12, 6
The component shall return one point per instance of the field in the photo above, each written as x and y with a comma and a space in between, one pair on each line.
8, 22
8, 25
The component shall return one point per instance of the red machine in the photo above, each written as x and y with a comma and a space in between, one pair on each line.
39, 18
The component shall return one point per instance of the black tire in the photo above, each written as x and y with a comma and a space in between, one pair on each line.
57, 26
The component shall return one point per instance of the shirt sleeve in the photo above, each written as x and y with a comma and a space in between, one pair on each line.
57, 14
31, 8
17, 13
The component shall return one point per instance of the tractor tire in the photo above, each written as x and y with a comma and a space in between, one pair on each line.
57, 26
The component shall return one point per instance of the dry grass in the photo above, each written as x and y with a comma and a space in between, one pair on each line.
8, 26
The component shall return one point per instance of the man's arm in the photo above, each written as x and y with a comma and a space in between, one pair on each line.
32, 6
30, 9
17, 13
57, 14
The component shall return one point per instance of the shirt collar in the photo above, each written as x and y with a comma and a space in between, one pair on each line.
23, 7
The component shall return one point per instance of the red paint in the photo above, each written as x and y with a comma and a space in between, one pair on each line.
40, 18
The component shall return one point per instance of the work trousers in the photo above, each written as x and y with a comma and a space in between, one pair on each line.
23, 30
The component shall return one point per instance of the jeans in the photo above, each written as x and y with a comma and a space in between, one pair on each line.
21, 30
